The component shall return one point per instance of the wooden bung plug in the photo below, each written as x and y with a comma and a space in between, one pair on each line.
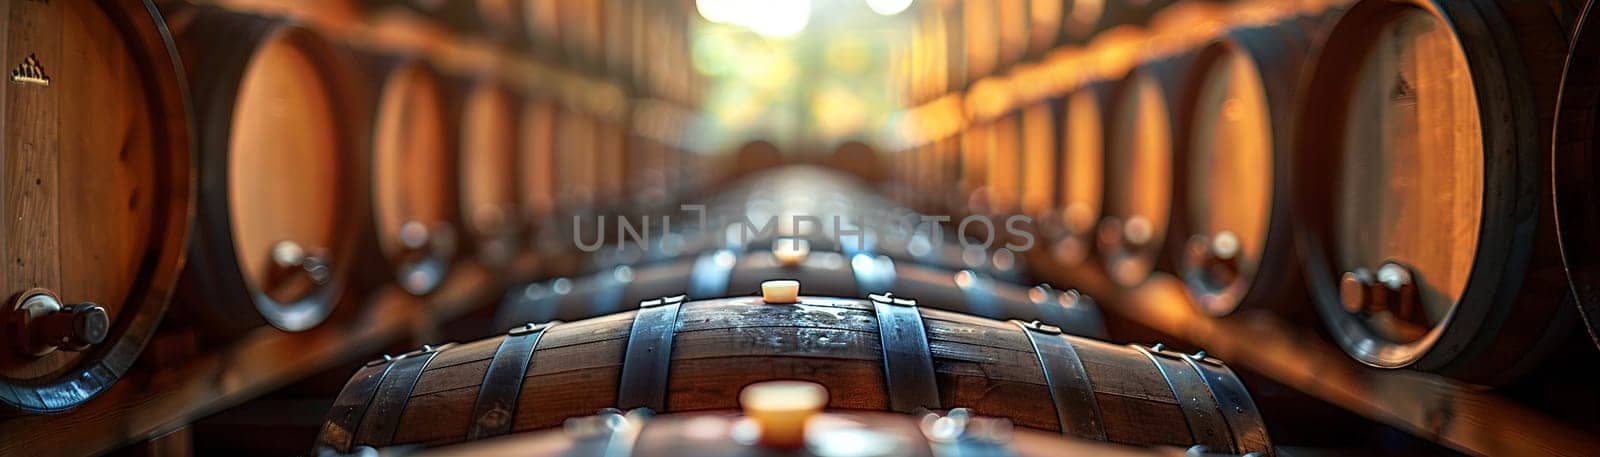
780, 410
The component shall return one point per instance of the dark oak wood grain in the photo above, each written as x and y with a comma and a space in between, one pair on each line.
1237, 244
98, 186
719, 434
413, 175
1425, 140
720, 346
1143, 124
281, 143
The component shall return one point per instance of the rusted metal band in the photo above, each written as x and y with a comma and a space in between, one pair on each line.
496, 406
645, 365
338, 431
389, 402
1249, 431
907, 360
1077, 411
1194, 399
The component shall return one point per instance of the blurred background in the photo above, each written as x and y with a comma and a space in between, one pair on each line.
224, 215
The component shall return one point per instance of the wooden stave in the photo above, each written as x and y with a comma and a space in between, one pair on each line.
145, 32
1480, 352
1168, 74
439, 390
1575, 156
380, 268
827, 273
214, 284
1278, 52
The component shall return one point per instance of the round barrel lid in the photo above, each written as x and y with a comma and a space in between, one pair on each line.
1230, 180
413, 183
97, 194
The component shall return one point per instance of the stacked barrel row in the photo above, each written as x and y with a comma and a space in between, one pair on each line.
640, 44
274, 177
1387, 162
953, 45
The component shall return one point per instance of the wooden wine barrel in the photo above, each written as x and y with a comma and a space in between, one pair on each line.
677, 356
98, 193
1422, 174
1144, 125
1577, 158
488, 163
1238, 244
276, 238
413, 166
726, 273
958, 432
1068, 230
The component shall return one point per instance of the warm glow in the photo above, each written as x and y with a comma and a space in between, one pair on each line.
772, 18
888, 7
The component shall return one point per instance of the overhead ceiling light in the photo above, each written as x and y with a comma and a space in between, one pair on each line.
888, 7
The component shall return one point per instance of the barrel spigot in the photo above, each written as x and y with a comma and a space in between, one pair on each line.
1129, 235
1216, 258
1392, 288
419, 241
296, 269
43, 324
1397, 288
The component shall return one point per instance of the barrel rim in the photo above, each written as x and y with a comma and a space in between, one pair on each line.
1164, 75
104, 365
215, 241
1574, 155
1100, 93
1504, 243
516, 227
387, 69
1273, 57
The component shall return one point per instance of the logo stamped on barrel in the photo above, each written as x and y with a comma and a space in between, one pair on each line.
30, 72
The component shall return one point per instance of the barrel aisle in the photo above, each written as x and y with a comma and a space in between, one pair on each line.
799, 227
